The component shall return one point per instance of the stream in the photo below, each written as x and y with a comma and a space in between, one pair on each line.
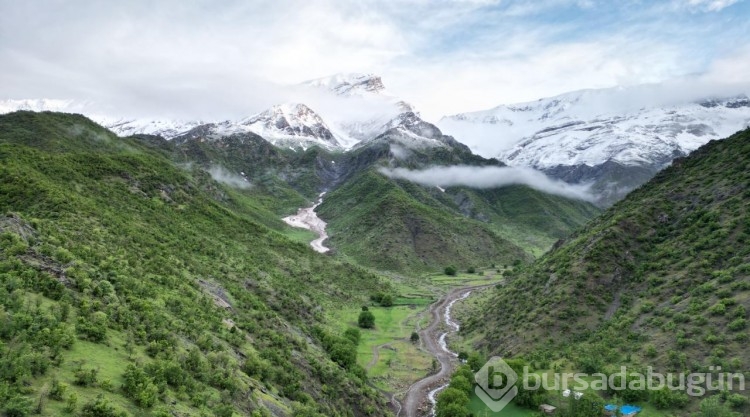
453, 328
306, 218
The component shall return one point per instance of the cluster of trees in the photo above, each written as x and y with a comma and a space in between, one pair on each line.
114, 260
453, 400
384, 299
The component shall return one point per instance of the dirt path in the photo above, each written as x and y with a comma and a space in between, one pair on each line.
376, 355
433, 339
306, 218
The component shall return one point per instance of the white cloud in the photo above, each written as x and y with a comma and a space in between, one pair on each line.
710, 5
230, 59
220, 174
489, 177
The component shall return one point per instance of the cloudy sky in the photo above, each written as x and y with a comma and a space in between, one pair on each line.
193, 57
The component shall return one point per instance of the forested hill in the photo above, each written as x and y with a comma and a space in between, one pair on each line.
132, 286
660, 279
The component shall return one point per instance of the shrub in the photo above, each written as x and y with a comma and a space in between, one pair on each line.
386, 301
450, 270
737, 325
57, 392
353, 334
100, 407
366, 320
85, 377
17, 407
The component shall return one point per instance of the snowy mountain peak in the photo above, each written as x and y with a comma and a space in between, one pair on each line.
616, 137
349, 84
290, 121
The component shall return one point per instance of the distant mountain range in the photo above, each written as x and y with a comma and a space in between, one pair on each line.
604, 137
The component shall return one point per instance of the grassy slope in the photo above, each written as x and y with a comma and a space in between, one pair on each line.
137, 253
662, 278
397, 225
378, 223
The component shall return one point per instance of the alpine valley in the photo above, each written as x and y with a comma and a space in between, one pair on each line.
146, 268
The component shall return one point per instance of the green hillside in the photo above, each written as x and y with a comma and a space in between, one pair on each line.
130, 284
379, 223
397, 225
383, 223
660, 279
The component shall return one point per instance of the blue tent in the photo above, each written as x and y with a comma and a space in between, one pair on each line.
626, 410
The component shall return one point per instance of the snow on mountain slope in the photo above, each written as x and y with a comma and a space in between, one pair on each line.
614, 139
363, 110
591, 127
350, 84
290, 121
121, 126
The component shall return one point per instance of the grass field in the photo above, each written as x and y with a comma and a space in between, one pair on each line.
399, 362
479, 409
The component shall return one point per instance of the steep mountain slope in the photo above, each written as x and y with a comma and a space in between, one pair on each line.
600, 136
286, 156
397, 225
661, 279
127, 282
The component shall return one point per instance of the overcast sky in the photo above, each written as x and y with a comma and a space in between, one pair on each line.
196, 57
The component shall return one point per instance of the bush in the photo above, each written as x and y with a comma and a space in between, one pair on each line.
736, 400
414, 337
139, 387
471, 270
17, 407
57, 392
100, 407
737, 325
450, 270
366, 320
386, 301
353, 334
85, 377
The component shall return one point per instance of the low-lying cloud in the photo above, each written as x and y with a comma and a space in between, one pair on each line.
223, 176
489, 177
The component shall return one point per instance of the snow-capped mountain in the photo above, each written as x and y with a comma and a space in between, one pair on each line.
120, 125
601, 136
348, 109
350, 84
285, 122
410, 131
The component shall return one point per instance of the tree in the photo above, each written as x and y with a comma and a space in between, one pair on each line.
353, 334
712, 407
414, 337
99, 408
17, 407
450, 270
450, 401
453, 410
386, 300
460, 382
366, 319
